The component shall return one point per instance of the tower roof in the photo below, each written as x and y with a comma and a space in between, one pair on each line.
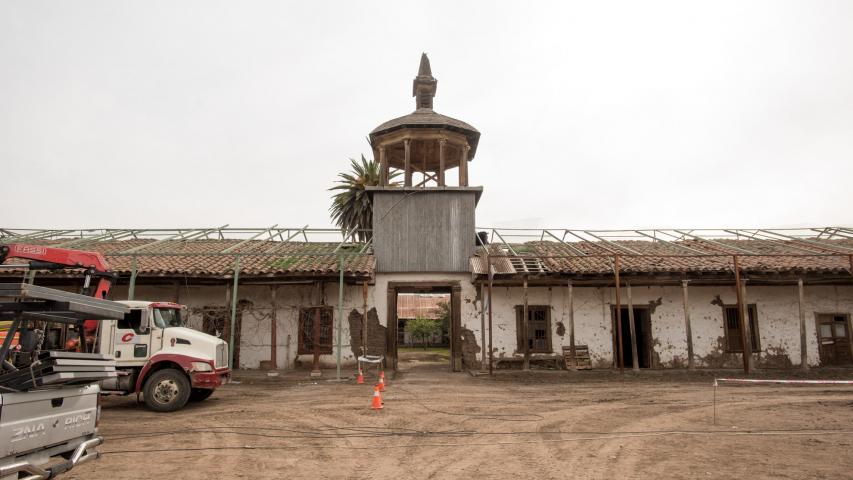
424, 87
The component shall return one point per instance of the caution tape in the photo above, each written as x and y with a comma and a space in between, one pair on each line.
801, 382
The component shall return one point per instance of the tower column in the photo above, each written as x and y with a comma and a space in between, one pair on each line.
463, 166
383, 167
408, 162
442, 145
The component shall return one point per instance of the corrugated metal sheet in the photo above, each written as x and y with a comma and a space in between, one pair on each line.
423, 230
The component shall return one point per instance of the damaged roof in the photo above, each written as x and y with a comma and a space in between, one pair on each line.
650, 257
205, 257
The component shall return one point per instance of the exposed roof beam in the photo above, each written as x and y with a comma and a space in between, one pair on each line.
614, 244
774, 241
722, 246
253, 237
287, 240
596, 245
567, 244
181, 235
674, 244
829, 248
507, 245
109, 234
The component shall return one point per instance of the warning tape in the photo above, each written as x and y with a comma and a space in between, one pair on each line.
803, 382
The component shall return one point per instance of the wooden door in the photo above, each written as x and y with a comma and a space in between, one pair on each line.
833, 332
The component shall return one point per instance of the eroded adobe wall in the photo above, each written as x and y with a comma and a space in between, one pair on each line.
777, 307
256, 308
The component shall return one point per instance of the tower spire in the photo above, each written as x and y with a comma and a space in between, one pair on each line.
424, 85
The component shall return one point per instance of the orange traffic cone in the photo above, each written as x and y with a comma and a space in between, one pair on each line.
377, 399
360, 379
382, 376
381, 384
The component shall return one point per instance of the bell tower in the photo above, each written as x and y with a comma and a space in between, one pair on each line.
420, 223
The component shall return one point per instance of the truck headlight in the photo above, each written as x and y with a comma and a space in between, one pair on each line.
202, 367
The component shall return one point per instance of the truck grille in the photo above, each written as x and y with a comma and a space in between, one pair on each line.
221, 355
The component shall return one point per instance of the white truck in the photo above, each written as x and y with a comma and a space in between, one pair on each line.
158, 357
49, 399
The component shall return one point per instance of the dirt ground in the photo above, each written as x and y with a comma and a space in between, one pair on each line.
436, 424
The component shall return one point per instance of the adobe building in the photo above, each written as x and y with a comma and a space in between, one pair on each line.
667, 298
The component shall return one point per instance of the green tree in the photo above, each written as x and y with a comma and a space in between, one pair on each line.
423, 328
351, 209
442, 312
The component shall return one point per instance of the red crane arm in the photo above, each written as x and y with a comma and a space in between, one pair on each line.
54, 258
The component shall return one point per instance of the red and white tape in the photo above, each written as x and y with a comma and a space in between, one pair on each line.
801, 382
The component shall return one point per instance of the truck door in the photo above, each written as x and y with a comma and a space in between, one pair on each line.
132, 337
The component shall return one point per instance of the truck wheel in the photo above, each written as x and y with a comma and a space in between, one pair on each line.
166, 390
199, 394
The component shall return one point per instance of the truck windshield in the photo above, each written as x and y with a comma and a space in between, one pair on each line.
167, 317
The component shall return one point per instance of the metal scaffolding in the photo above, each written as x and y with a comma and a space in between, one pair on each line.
254, 241
518, 254
224, 241
713, 242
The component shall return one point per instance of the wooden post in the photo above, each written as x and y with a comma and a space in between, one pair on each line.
687, 327
572, 326
483, 325
804, 357
407, 162
273, 327
233, 324
442, 144
618, 315
383, 167
524, 339
315, 370
364, 320
134, 270
743, 318
463, 166
635, 362
491, 281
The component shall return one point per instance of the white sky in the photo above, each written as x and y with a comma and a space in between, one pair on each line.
593, 114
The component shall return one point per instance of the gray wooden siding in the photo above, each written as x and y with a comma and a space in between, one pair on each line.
423, 231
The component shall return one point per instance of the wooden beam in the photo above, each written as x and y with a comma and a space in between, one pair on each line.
618, 315
407, 162
273, 328
635, 362
483, 326
804, 357
743, 318
524, 339
572, 325
442, 161
463, 166
383, 167
687, 327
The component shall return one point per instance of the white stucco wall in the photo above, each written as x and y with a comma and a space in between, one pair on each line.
777, 308
255, 339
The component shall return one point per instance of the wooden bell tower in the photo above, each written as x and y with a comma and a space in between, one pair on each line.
422, 224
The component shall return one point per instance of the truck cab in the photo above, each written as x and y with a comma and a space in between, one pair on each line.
158, 356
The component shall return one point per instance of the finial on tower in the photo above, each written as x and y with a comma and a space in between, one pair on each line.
424, 85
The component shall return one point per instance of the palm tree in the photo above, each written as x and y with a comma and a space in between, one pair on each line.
351, 209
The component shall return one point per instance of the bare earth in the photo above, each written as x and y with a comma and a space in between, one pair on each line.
542, 424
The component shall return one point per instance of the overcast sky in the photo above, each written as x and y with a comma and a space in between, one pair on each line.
592, 114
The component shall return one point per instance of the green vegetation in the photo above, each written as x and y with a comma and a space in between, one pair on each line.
351, 208
423, 328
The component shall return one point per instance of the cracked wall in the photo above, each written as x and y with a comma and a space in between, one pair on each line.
778, 322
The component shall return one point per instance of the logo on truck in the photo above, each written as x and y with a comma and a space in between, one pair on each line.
30, 249
127, 337
26, 432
